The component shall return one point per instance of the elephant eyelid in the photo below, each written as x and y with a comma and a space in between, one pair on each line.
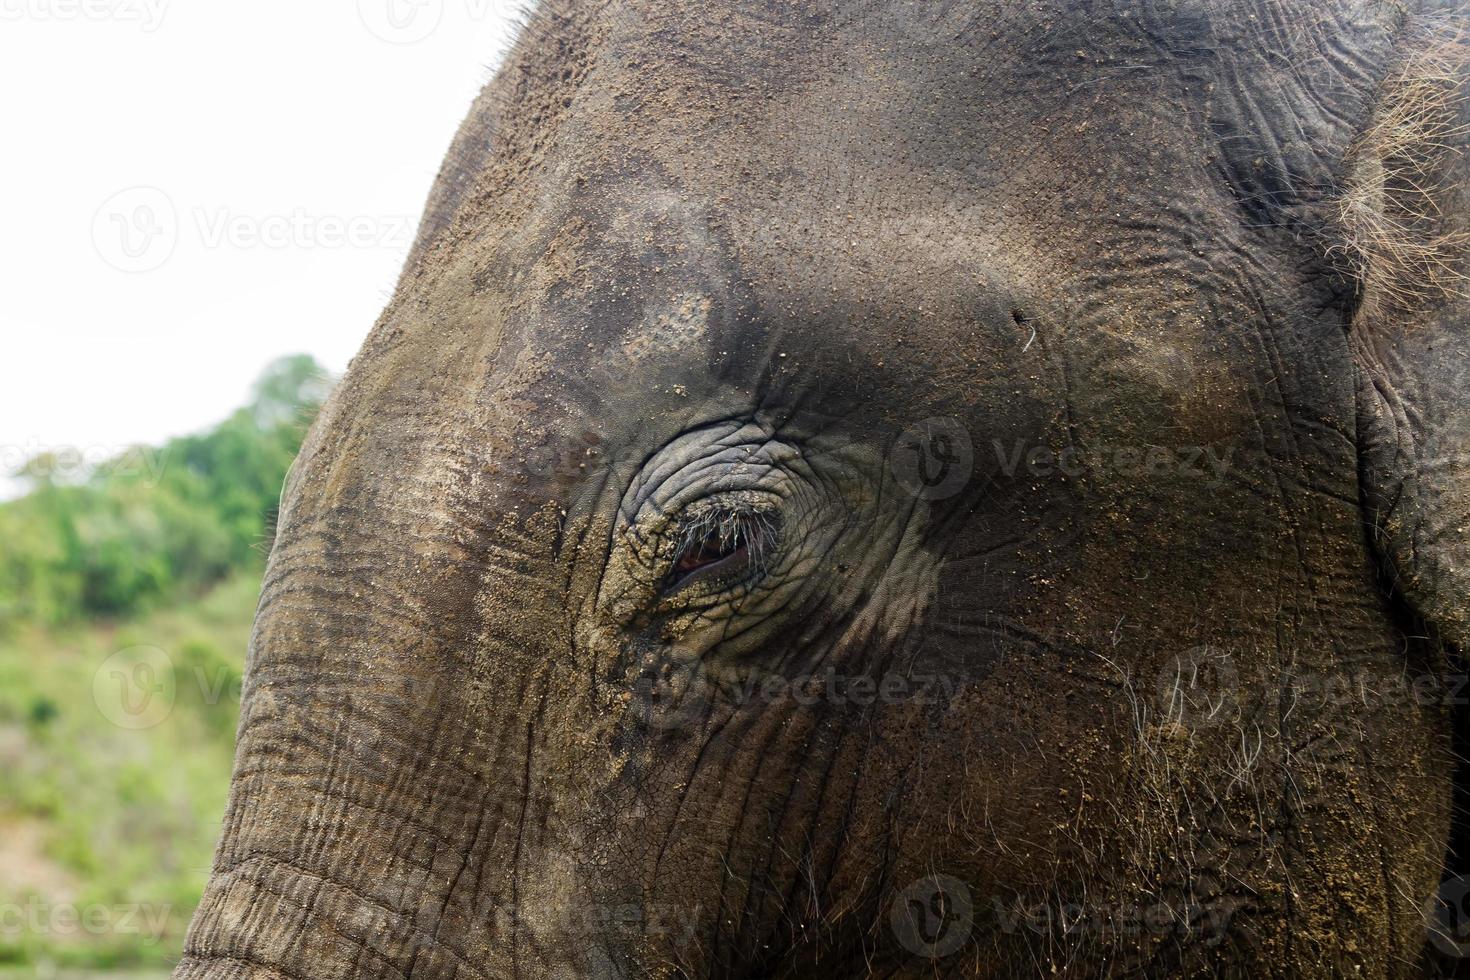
722, 540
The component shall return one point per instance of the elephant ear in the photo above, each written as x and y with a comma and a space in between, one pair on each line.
1405, 220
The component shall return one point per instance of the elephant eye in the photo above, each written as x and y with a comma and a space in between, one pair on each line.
713, 550
723, 545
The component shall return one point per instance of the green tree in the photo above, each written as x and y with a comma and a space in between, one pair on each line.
153, 523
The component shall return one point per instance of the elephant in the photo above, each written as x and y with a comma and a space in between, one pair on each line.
891, 488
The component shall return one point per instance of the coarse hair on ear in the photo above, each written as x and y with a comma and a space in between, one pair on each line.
1402, 247
1403, 219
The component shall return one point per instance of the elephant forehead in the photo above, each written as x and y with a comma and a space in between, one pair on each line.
980, 86
1029, 144
882, 219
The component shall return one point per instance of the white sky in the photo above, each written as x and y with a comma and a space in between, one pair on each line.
263, 134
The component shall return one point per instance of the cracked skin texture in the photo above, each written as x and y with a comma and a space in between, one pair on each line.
735, 251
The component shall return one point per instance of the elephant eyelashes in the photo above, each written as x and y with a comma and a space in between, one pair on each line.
722, 545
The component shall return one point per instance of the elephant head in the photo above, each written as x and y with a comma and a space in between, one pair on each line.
886, 488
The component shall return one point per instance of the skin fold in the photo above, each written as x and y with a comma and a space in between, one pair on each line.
877, 488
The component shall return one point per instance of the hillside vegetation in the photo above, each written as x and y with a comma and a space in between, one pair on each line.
126, 598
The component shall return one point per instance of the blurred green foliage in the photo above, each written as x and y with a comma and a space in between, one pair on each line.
156, 551
154, 524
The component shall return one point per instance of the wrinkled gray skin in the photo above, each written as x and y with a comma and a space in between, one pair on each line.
516, 709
